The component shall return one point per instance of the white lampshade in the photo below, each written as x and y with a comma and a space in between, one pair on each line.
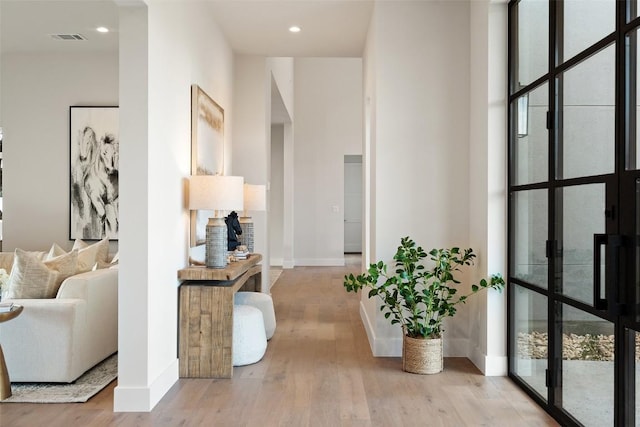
255, 197
216, 192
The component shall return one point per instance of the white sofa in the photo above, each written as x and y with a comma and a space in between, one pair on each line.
57, 340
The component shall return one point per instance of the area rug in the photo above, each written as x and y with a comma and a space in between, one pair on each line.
85, 387
274, 274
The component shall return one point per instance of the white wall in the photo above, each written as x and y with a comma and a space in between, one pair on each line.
133, 392
421, 154
288, 210
282, 71
37, 91
487, 181
252, 136
328, 125
183, 45
368, 306
276, 194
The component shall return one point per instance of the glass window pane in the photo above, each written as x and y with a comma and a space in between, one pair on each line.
582, 217
531, 144
531, 341
633, 10
586, 23
587, 346
532, 43
529, 235
588, 128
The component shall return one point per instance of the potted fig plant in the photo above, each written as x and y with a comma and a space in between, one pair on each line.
419, 297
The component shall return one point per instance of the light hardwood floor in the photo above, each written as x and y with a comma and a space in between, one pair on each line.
318, 371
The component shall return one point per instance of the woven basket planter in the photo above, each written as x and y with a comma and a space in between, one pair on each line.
422, 355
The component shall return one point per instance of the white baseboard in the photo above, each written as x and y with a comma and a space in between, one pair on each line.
143, 399
453, 347
490, 366
288, 264
380, 347
367, 327
320, 262
276, 262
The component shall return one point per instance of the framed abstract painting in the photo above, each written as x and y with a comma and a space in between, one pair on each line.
207, 150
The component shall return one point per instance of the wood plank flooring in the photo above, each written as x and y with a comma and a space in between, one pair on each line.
318, 371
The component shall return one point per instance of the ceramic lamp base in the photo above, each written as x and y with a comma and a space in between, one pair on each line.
216, 243
246, 238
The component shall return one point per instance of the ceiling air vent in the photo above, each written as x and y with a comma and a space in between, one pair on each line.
67, 36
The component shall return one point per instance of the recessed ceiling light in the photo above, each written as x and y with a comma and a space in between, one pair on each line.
102, 29
294, 29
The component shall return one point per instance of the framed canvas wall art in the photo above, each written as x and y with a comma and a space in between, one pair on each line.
94, 157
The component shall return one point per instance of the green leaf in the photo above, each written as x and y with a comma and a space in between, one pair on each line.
474, 288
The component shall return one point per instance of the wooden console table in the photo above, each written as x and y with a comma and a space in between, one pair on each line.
205, 305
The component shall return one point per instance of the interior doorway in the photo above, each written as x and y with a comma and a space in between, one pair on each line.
353, 204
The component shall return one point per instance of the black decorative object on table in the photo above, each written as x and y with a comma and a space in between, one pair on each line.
233, 230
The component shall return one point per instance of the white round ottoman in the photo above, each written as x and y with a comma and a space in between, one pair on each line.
249, 340
264, 303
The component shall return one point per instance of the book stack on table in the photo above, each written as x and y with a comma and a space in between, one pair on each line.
239, 255
6, 306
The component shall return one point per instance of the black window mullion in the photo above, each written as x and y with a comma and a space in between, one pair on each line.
624, 362
555, 205
511, 73
512, 48
629, 101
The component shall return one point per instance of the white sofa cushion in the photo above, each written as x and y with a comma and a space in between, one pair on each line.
56, 340
32, 278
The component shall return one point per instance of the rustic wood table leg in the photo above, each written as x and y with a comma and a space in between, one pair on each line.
206, 325
205, 316
5, 383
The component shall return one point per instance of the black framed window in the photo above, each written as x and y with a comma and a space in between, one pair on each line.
574, 207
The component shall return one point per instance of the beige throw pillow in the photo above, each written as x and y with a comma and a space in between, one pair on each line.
33, 278
87, 256
55, 251
91, 255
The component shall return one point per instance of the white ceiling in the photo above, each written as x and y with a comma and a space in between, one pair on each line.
25, 25
257, 27
329, 27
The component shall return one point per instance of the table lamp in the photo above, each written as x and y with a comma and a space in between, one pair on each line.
255, 199
217, 193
